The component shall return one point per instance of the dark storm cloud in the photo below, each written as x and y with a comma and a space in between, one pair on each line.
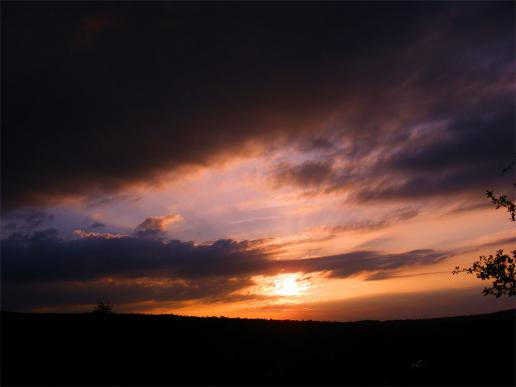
446, 127
470, 159
35, 220
9, 228
97, 97
43, 270
465, 155
120, 291
43, 256
26, 222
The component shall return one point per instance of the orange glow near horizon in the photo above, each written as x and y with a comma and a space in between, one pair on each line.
237, 202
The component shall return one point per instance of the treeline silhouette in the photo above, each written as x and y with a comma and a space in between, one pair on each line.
133, 349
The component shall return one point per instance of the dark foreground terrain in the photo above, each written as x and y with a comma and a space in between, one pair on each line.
89, 349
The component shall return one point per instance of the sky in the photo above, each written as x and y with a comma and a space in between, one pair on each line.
287, 160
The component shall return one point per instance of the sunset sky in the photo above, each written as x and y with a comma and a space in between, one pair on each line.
273, 160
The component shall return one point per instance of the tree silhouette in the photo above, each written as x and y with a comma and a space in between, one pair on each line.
500, 267
503, 201
103, 307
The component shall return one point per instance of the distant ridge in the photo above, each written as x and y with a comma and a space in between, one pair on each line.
508, 312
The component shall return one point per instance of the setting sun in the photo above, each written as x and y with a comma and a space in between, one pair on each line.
290, 285
287, 287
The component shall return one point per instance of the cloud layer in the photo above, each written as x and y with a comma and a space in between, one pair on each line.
96, 98
134, 268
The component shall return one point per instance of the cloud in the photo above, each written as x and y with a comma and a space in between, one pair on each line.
101, 200
378, 276
42, 266
90, 234
119, 291
210, 84
497, 243
27, 221
44, 256
469, 160
309, 173
460, 156
358, 262
154, 227
399, 215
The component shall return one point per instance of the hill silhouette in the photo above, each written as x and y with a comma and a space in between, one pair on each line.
135, 349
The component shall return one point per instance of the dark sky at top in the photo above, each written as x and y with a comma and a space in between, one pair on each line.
96, 96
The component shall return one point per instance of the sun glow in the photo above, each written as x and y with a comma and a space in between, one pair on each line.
286, 287
290, 285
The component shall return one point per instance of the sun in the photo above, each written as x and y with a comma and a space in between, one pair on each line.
287, 286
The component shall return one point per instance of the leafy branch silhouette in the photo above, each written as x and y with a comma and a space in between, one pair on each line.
499, 267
